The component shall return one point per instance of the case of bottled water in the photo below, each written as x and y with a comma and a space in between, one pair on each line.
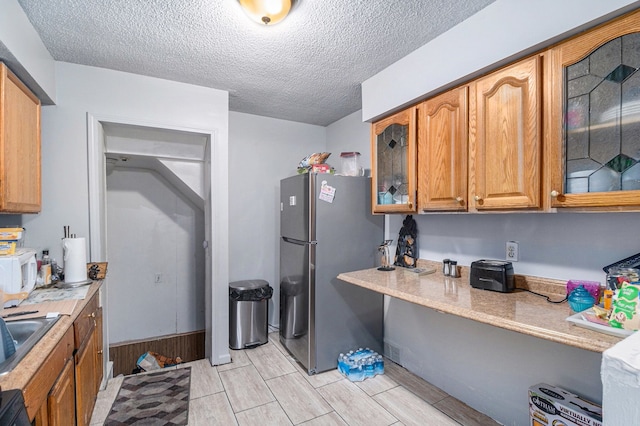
360, 364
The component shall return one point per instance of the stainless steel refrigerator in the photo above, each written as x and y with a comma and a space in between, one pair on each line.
326, 227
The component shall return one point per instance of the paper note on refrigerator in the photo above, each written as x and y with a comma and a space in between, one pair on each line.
327, 193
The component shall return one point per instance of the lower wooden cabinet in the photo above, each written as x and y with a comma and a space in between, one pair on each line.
88, 360
36, 392
61, 403
65, 391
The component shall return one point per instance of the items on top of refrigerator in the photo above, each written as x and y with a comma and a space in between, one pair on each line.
315, 163
361, 364
350, 162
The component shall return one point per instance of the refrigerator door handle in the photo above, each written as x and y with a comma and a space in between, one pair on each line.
298, 242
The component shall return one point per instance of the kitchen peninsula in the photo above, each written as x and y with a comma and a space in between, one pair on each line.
519, 311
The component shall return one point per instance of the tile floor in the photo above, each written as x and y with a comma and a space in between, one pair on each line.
265, 386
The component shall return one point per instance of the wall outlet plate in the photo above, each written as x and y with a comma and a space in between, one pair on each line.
512, 251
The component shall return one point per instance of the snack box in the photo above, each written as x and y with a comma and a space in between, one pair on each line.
7, 248
321, 168
11, 234
553, 406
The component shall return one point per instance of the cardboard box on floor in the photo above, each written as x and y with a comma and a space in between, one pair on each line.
553, 406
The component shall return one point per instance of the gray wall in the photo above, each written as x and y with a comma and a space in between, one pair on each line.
262, 151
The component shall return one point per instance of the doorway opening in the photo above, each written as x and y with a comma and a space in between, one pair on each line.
157, 183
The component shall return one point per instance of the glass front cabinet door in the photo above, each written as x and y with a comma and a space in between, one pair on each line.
393, 163
594, 118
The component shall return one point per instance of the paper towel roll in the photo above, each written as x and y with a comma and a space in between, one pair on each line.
75, 259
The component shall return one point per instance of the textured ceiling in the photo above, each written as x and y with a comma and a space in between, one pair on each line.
307, 68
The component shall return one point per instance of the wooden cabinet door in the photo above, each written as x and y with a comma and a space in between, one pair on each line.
593, 118
98, 350
85, 369
61, 402
393, 163
442, 152
504, 138
20, 175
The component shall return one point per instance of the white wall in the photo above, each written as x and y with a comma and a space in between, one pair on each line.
153, 229
102, 92
24, 52
83, 90
262, 151
350, 134
503, 30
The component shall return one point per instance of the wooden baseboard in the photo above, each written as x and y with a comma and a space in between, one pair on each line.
188, 346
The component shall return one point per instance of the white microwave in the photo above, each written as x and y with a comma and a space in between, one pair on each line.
18, 273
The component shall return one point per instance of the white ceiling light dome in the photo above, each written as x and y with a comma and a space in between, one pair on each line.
268, 12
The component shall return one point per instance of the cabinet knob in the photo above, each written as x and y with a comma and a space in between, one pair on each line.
477, 198
92, 315
459, 199
554, 193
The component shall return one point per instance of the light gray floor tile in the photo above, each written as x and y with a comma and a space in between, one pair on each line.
245, 388
399, 397
415, 384
354, 406
264, 415
105, 400
411, 410
274, 338
298, 398
321, 379
331, 419
238, 359
204, 379
463, 413
375, 385
269, 361
211, 410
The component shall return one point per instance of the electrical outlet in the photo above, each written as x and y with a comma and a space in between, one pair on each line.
512, 251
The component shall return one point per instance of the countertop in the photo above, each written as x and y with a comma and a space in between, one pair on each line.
518, 311
34, 360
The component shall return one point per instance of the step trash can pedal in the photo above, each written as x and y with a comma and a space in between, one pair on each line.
248, 313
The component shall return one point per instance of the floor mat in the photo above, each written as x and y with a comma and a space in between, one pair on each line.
160, 398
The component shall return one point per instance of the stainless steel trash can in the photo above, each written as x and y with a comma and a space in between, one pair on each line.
248, 309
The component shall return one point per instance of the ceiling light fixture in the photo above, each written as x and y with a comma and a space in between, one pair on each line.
268, 12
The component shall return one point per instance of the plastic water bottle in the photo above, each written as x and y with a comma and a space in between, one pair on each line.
341, 363
369, 368
356, 373
379, 365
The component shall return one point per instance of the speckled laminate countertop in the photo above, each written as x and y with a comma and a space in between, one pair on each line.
34, 360
519, 311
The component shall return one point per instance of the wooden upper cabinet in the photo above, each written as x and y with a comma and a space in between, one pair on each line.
505, 138
20, 189
393, 163
593, 118
442, 152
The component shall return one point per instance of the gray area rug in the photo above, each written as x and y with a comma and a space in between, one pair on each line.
160, 398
